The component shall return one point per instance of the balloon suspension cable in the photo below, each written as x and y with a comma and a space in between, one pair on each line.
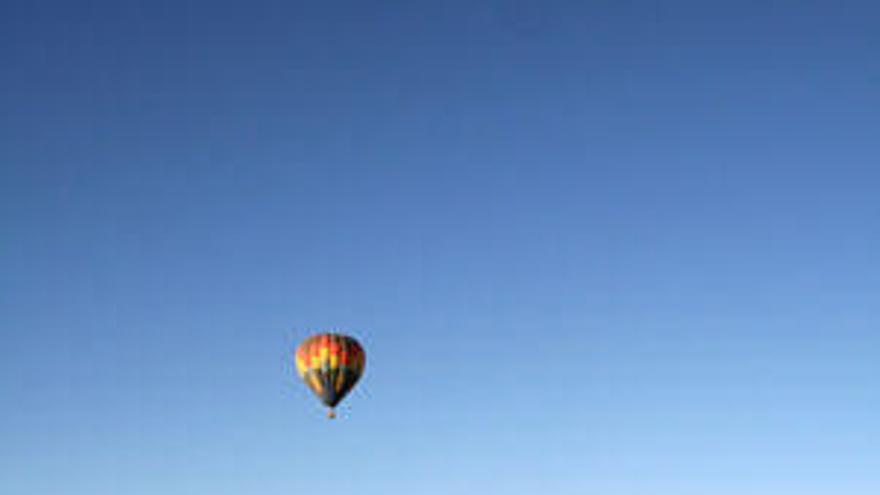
331, 414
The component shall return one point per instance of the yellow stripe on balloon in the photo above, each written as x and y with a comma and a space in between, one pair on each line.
301, 367
316, 384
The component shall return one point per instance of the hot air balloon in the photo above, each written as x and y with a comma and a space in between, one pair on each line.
330, 364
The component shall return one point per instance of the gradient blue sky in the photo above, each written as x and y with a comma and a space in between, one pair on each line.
591, 247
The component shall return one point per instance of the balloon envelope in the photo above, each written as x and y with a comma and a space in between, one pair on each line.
330, 364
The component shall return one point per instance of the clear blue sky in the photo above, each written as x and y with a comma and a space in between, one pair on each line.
591, 247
